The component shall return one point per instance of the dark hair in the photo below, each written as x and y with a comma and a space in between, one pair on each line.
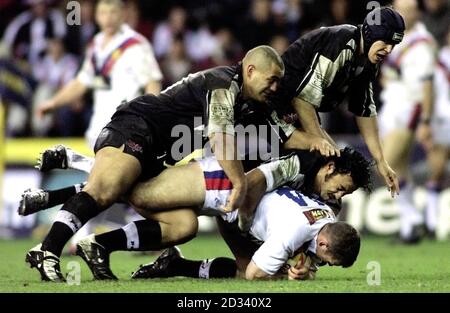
344, 243
350, 162
354, 163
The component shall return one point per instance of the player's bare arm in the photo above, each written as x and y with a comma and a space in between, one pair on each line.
225, 150
368, 127
310, 123
70, 93
302, 140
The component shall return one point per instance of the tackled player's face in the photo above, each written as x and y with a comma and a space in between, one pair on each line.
325, 256
335, 186
109, 17
262, 83
379, 51
322, 249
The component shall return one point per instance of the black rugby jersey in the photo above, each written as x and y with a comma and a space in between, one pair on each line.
210, 98
324, 68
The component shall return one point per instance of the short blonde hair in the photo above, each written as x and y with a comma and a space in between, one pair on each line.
264, 55
117, 3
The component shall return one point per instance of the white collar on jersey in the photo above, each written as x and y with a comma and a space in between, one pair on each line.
313, 244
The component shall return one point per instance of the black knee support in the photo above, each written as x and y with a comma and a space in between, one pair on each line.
83, 206
150, 236
223, 268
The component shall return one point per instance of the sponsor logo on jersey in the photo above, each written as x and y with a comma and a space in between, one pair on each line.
135, 147
316, 214
290, 118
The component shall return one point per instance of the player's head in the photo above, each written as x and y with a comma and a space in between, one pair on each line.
409, 10
109, 15
262, 69
39, 8
339, 176
338, 244
382, 29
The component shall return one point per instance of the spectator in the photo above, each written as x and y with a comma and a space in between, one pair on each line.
55, 70
259, 26
176, 64
280, 43
289, 16
228, 50
27, 35
133, 18
437, 19
166, 31
78, 36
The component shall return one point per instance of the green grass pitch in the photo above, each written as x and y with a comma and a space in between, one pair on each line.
421, 268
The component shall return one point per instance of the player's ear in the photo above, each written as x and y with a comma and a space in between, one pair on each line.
323, 243
249, 70
331, 166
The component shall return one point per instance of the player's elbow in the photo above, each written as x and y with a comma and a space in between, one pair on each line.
256, 276
249, 276
253, 272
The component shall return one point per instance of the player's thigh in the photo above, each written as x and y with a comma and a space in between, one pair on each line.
437, 160
177, 226
397, 145
174, 187
113, 173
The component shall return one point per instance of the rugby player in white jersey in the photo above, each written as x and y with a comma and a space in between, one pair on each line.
328, 178
438, 148
119, 66
286, 224
407, 107
286, 220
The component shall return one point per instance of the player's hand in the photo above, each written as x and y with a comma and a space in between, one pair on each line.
45, 108
389, 176
424, 135
301, 269
245, 221
298, 273
324, 147
236, 197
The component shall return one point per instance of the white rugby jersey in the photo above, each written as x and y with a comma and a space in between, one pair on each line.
284, 221
409, 64
117, 72
442, 85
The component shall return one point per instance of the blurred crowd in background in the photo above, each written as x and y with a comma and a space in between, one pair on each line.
186, 36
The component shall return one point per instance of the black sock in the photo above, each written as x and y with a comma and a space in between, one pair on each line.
214, 268
223, 268
115, 240
150, 236
144, 235
60, 196
73, 215
57, 238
